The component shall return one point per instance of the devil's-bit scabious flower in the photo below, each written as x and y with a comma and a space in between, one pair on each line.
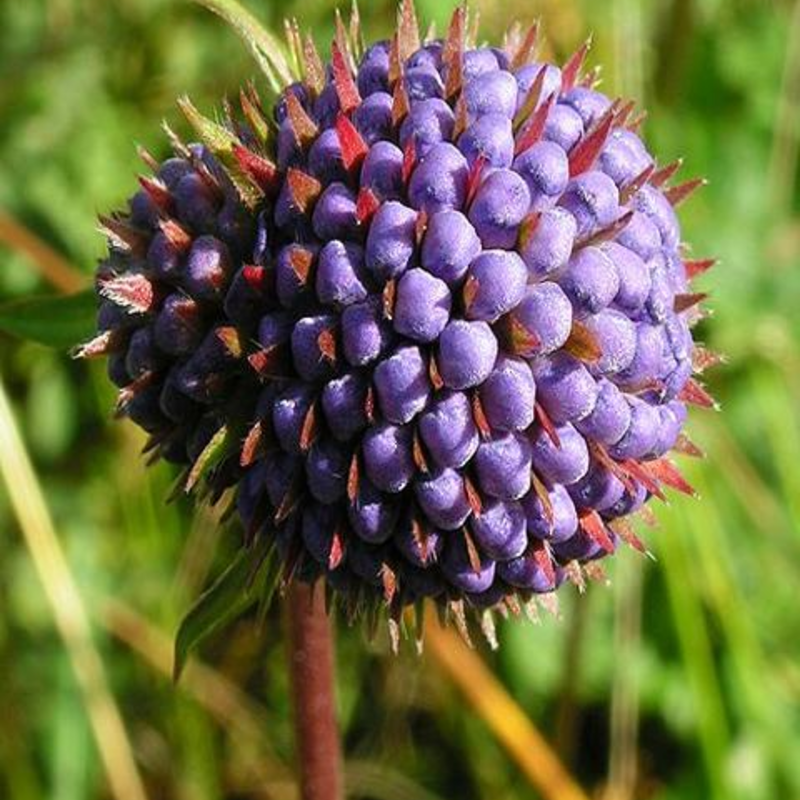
428, 317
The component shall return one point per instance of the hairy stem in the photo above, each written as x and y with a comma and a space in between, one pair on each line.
311, 668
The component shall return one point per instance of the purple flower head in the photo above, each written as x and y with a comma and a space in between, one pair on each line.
429, 320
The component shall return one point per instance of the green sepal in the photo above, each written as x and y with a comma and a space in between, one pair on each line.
54, 321
239, 587
221, 142
221, 445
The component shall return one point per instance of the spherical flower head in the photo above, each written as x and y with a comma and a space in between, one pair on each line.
434, 334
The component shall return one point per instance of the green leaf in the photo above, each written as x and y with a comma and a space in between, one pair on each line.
267, 50
238, 588
221, 445
221, 142
54, 321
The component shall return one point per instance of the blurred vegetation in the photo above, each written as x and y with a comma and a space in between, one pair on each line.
680, 680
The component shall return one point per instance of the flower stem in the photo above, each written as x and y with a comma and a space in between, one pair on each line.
310, 654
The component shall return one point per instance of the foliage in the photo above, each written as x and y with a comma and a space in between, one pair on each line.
705, 689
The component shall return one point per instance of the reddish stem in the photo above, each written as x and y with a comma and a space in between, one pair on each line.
312, 669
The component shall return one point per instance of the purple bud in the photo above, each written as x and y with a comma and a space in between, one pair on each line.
491, 93
503, 466
366, 562
142, 355
195, 203
677, 379
289, 152
365, 332
251, 493
490, 137
654, 205
391, 240
449, 246
293, 267
439, 180
327, 106
467, 353
630, 502
204, 376
172, 170
373, 118
325, 158
672, 417
546, 314
343, 403
564, 387
610, 418
319, 526
235, 228
372, 515
557, 520
116, 371
428, 56
428, 123
478, 62
402, 385
174, 404
593, 199
500, 530
341, 277
144, 411
448, 430
545, 169
548, 246
423, 83
299, 91
646, 364
419, 544
208, 268
564, 126
590, 104
615, 335
598, 489
581, 547
563, 464
661, 299
590, 280
244, 301
496, 282
500, 204
382, 171
163, 258
458, 569
526, 76
508, 395
640, 236
641, 438
335, 213
373, 71
178, 327
634, 277
422, 307
289, 415
388, 458
443, 499
528, 572
326, 471
624, 157
313, 347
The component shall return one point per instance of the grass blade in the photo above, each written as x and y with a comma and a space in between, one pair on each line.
67, 608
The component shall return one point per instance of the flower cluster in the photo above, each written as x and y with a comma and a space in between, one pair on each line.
430, 318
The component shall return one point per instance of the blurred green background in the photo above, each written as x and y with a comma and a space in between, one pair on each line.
679, 680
